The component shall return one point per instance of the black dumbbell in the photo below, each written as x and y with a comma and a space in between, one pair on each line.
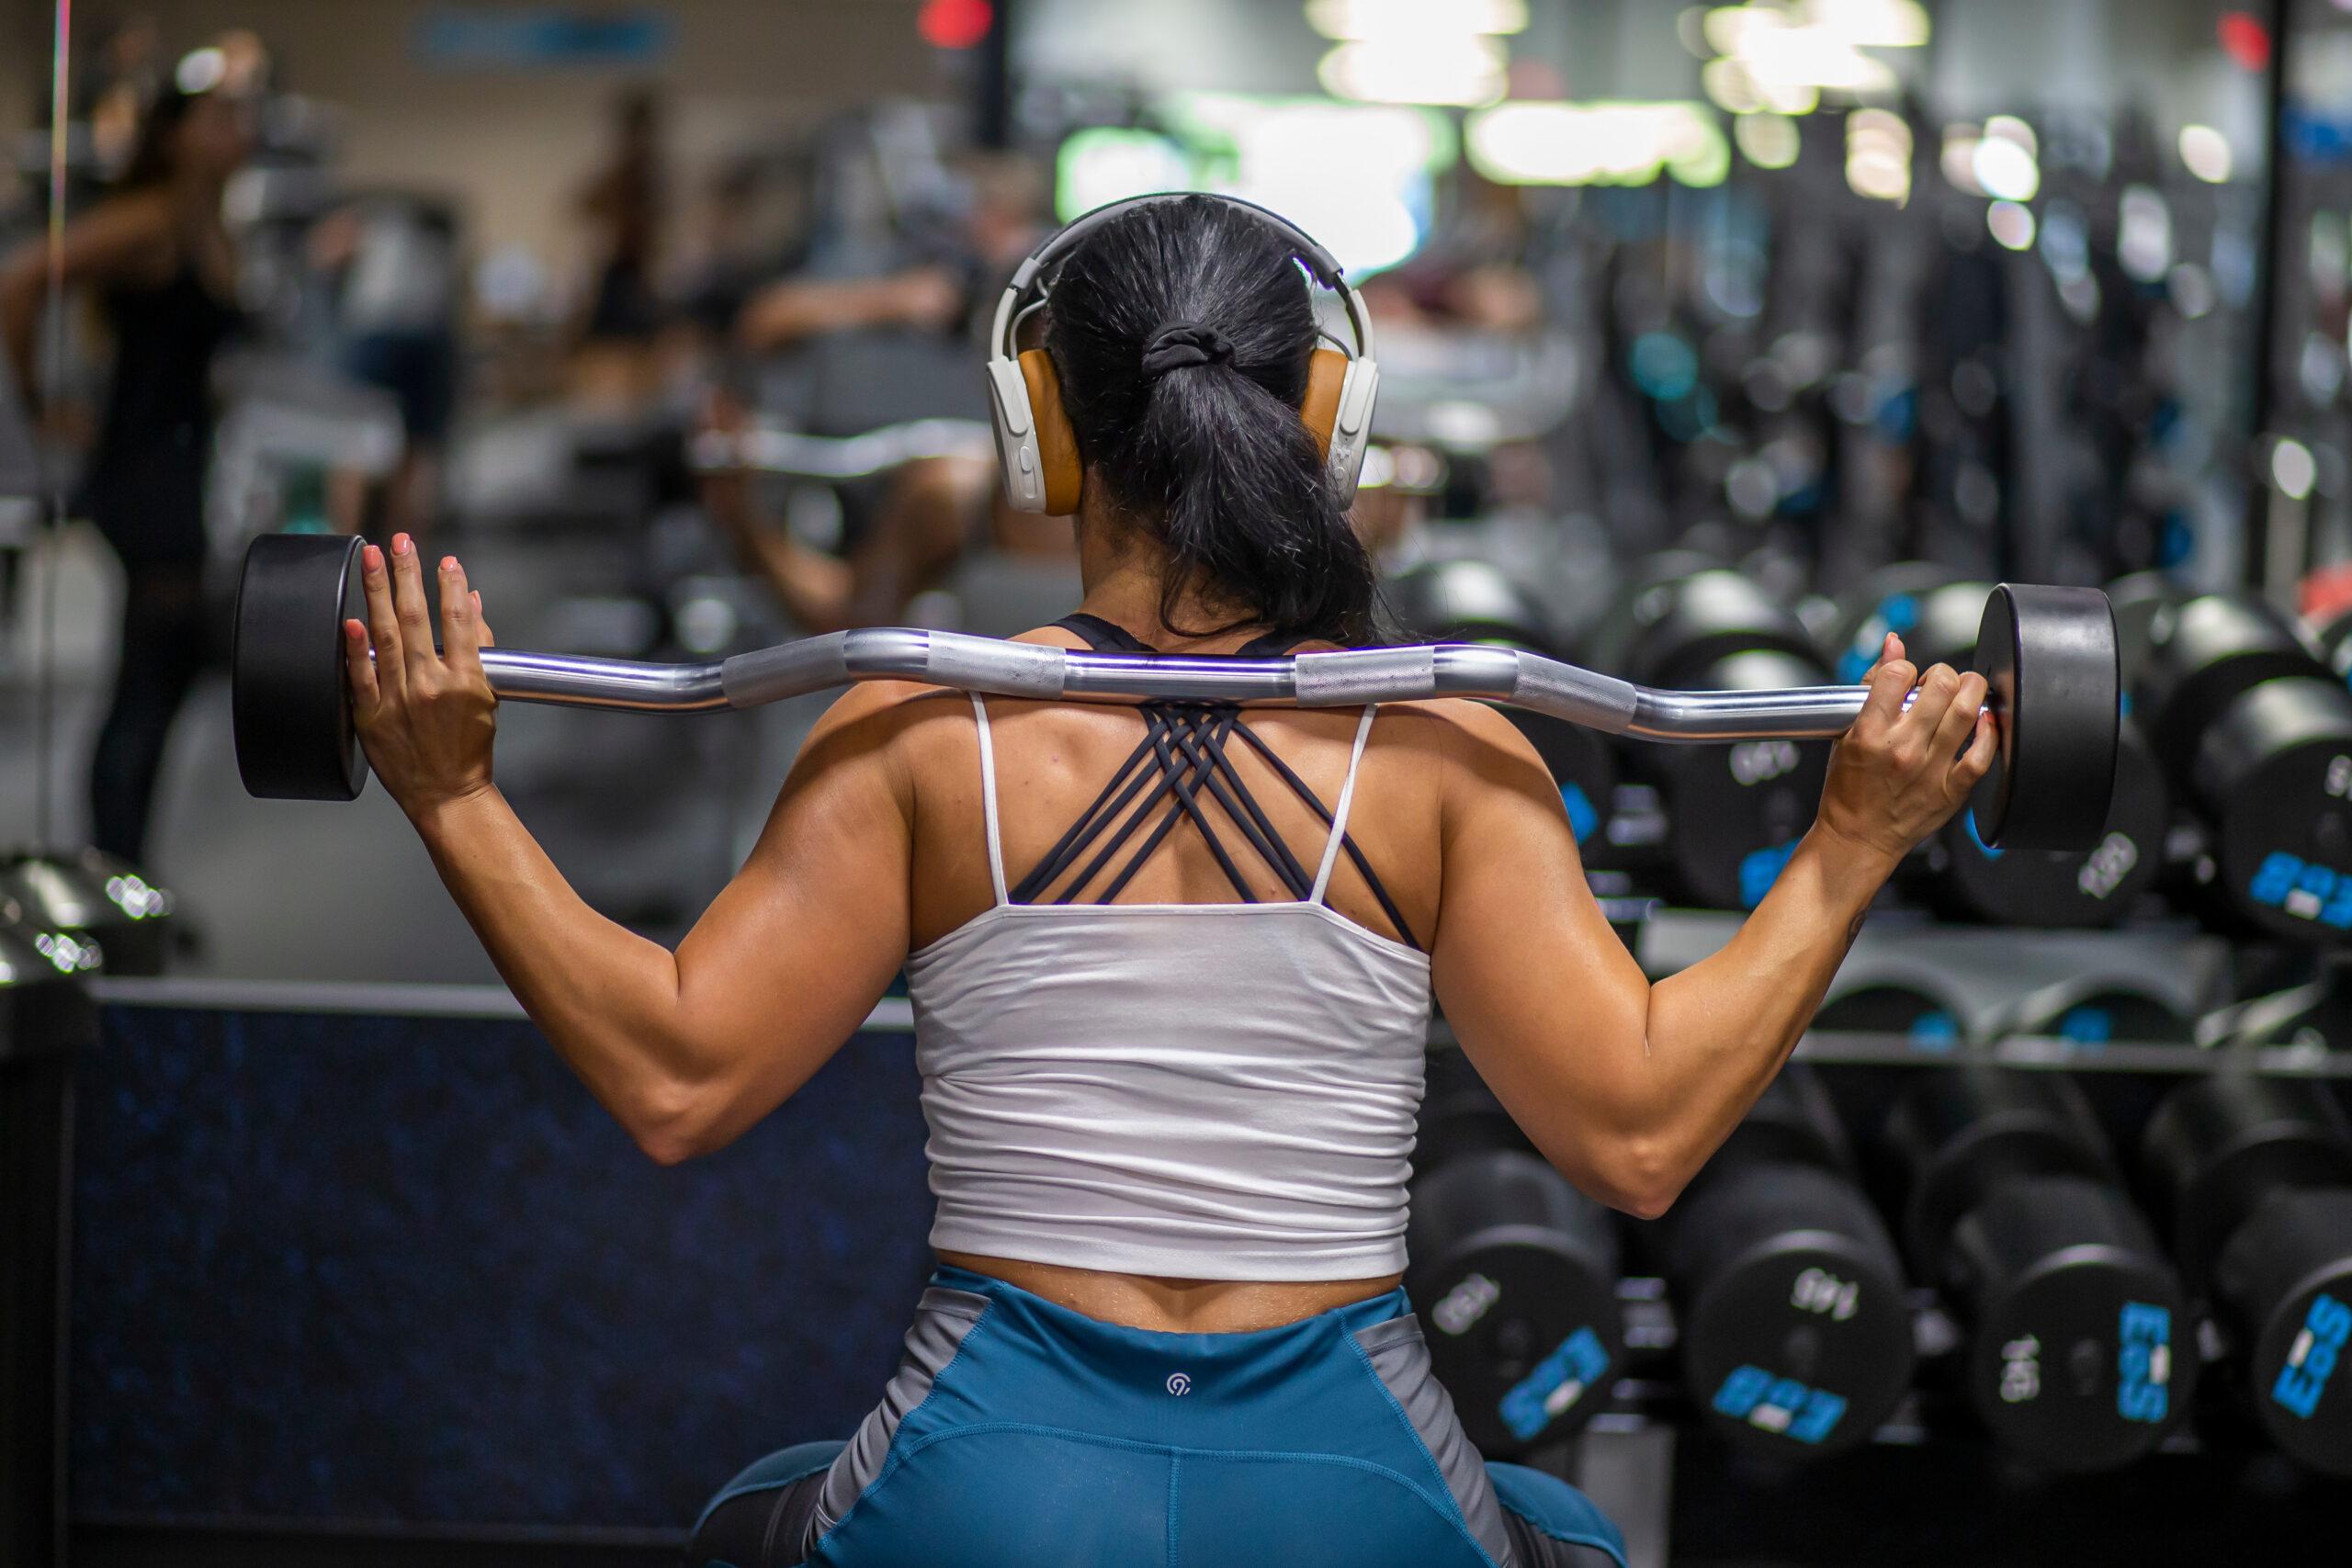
1956, 872
1514, 1273
2256, 1176
1897, 599
1794, 1329
1922, 1009
1735, 811
2256, 734
2080, 1353
2092, 1010
1471, 600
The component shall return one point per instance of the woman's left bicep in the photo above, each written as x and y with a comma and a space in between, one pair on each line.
793, 954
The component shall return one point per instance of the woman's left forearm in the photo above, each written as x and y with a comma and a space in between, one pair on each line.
606, 998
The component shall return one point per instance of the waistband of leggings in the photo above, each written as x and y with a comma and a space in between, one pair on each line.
1026, 1305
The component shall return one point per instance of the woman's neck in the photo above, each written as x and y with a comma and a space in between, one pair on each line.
1123, 572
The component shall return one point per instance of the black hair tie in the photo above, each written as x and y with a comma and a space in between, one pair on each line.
1183, 344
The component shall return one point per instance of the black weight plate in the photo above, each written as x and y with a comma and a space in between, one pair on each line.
2049, 654
2082, 1351
2287, 1278
1886, 601
2204, 653
1936, 621
1796, 1335
290, 707
2216, 1148
1686, 626
1737, 812
2092, 1015
1957, 1135
1514, 1274
1467, 601
2274, 775
2096, 886
1919, 1013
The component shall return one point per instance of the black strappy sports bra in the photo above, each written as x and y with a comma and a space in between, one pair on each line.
1184, 751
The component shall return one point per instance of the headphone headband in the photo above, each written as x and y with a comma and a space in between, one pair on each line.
1035, 446
1319, 261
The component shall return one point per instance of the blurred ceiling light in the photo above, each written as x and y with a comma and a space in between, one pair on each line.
2293, 469
1814, 44
1878, 155
2011, 224
1460, 69
2143, 234
2005, 170
1873, 24
1767, 141
1385, 19
1597, 143
1734, 89
1813, 57
1958, 160
2009, 128
200, 70
1106, 163
2206, 151
1691, 26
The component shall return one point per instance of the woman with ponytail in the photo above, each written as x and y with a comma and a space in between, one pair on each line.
1172, 966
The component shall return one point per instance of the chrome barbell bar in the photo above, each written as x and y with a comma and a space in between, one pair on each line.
1349, 677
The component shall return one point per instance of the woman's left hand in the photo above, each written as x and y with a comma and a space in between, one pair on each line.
426, 716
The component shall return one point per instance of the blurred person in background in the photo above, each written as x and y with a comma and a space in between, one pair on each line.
395, 265
625, 207
163, 269
935, 509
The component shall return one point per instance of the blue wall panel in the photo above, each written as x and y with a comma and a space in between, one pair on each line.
405, 1271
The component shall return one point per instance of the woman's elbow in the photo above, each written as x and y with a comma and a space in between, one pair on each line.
1641, 1177
671, 1124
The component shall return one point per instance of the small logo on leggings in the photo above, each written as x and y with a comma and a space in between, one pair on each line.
1179, 1384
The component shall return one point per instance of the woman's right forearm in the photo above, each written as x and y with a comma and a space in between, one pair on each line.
1721, 1029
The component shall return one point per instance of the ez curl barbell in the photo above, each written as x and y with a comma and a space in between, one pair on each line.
2047, 655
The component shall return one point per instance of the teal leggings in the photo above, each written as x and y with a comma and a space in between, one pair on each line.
1018, 1432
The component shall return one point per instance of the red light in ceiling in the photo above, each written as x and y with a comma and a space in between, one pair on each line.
2244, 39
954, 24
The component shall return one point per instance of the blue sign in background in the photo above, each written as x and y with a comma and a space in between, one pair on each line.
484, 37
404, 1269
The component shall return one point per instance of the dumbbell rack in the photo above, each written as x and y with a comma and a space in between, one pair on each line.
1929, 1487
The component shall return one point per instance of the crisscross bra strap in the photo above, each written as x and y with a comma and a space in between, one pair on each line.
1176, 772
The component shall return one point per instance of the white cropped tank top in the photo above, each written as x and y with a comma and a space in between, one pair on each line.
1206, 1092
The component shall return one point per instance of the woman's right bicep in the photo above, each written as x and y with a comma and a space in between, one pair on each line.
1535, 982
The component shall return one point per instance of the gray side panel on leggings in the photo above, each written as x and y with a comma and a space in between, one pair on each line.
943, 1319
1401, 1360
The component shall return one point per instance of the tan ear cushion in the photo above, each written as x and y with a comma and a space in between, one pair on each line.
1056, 443
1326, 371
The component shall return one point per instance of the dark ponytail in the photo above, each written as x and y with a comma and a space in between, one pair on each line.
1181, 332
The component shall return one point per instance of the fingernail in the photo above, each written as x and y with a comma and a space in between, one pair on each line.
475, 597
448, 563
354, 630
399, 544
375, 558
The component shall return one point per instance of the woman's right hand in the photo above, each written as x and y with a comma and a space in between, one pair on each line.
1896, 776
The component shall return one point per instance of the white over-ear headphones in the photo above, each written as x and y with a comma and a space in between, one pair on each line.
1034, 441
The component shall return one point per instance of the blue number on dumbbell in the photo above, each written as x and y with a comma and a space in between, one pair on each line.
2311, 1360
2275, 878
1742, 1390
2144, 1360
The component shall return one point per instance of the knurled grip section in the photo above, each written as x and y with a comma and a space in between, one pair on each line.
1365, 676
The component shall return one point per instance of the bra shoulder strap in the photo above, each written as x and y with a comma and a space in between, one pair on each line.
987, 797
1339, 812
